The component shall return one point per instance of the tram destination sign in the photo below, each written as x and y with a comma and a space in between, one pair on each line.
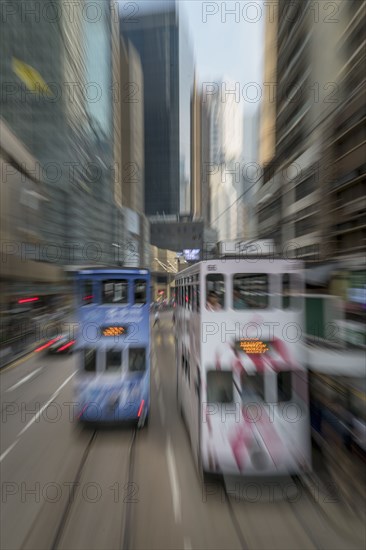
114, 330
252, 345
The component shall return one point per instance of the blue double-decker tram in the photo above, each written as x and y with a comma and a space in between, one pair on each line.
113, 345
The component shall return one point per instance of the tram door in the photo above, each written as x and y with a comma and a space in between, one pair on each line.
196, 411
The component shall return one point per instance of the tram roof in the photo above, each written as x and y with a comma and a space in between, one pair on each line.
271, 265
88, 270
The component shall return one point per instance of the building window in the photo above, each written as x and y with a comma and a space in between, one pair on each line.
305, 187
270, 210
306, 225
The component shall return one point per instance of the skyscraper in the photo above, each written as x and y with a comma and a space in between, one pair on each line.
56, 66
132, 129
168, 71
310, 197
223, 169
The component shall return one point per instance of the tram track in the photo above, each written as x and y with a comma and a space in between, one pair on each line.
303, 519
303, 485
126, 531
242, 540
125, 536
244, 544
66, 513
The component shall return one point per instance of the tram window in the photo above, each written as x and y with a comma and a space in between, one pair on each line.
297, 287
291, 289
252, 289
238, 298
113, 359
115, 292
219, 387
140, 291
198, 298
136, 359
86, 293
215, 292
252, 386
285, 291
90, 360
284, 386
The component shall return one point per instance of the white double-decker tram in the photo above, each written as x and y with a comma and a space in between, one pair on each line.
241, 378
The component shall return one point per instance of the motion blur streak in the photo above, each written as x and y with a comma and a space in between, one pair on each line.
48, 344
183, 279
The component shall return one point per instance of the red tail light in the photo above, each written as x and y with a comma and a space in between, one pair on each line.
82, 411
140, 409
48, 344
62, 348
26, 300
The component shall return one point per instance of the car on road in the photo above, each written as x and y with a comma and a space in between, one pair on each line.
63, 344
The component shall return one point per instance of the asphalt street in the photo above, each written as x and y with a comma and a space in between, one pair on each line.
74, 488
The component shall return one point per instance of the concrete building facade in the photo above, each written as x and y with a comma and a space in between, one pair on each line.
309, 199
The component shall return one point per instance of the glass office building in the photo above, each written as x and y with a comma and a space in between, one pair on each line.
67, 126
168, 70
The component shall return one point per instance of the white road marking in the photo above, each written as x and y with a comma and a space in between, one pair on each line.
23, 380
5, 453
174, 485
153, 359
187, 543
161, 408
35, 417
157, 379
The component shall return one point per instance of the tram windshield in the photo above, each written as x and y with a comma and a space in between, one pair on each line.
219, 387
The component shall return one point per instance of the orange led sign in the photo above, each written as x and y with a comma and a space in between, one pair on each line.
114, 331
253, 345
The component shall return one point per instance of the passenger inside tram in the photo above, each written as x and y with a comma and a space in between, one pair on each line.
238, 301
213, 302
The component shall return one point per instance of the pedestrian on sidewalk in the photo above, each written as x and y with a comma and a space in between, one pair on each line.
156, 318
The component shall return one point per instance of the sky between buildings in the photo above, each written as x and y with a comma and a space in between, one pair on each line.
227, 40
